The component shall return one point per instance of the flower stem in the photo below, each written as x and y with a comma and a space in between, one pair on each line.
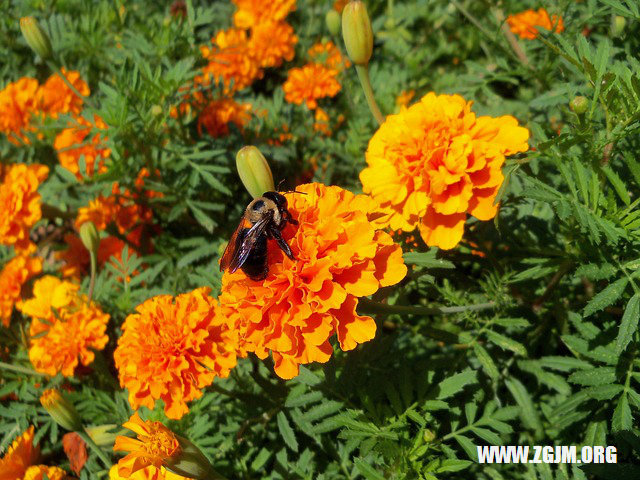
369, 306
365, 81
92, 281
96, 449
19, 369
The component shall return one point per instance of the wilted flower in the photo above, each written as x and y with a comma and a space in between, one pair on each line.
524, 23
311, 83
218, 114
55, 97
433, 163
340, 256
76, 450
271, 43
72, 143
20, 203
12, 277
64, 329
18, 102
171, 349
20, 455
253, 12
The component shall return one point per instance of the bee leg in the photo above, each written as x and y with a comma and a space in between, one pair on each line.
286, 215
282, 243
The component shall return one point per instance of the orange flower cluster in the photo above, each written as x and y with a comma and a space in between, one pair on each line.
436, 161
20, 203
253, 12
12, 277
20, 455
340, 256
24, 99
172, 348
218, 114
524, 23
328, 54
72, 143
64, 327
37, 472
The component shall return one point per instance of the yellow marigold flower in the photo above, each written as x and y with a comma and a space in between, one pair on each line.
72, 143
271, 43
310, 83
326, 53
37, 472
18, 101
218, 114
20, 203
436, 161
13, 276
148, 473
340, 256
524, 23
64, 329
231, 62
171, 349
55, 97
20, 455
253, 12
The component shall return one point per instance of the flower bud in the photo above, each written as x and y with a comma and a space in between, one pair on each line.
191, 462
618, 24
36, 37
333, 22
579, 104
357, 33
90, 237
102, 435
61, 410
254, 171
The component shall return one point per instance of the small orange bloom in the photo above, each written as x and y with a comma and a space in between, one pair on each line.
435, 162
321, 123
271, 43
13, 276
253, 12
326, 53
37, 472
72, 143
155, 445
20, 203
340, 256
64, 329
171, 349
524, 23
149, 473
218, 114
17, 104
55, 97
20, 455
310, 83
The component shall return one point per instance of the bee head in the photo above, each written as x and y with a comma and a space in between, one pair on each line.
277, 198
262, 206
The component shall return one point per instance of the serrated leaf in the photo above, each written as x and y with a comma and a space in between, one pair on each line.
629, 323
506, 343
622, 418
468, 446
606, 297
486, 361
528, 412
287, 432
454, 384
367, 470
594, 376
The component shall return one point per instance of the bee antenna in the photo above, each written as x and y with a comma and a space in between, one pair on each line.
280, 185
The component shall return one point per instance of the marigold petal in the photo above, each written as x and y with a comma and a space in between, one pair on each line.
443, 231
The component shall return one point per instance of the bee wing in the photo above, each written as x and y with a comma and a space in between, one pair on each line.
231, 251
248, 242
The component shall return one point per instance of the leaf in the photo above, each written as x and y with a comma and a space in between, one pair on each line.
629, 323
452, 385
506, 343
486, 361
606, 297
367, 470
528, 412
468, 446
594, 376
286, 431
426, 259
622, 418
618, 184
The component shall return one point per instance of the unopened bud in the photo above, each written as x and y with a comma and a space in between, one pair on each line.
191, 462
357, 33
254, 171
61, 410
579, 104
90, 237
333, 22
102, 434
36, 37
156, 110
618, 23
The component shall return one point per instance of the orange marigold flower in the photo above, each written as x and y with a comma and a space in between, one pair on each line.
37, 472
72, 143
13, 276
524, 23
17, 104
340, 256
321, 123
155, 445
231, 62
149, 473
172, 348
20, 455
271, 43
55, 97
326, 53
436, 161
20, 203
64, 329
310, 83
253, 12
218, 114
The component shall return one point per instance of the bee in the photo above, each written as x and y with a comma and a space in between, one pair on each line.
264, 218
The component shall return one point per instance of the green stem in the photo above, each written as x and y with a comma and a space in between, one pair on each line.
369, 306
96, 449
16, 368
92, 281
365, 81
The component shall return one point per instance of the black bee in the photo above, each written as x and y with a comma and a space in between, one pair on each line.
264, 218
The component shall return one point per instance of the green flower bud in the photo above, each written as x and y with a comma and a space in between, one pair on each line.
357, 33
254, 171
90, 237
579, 104
618, 24
156, 110
36, 37
61, 410
333, 22
191, 462
102, 434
